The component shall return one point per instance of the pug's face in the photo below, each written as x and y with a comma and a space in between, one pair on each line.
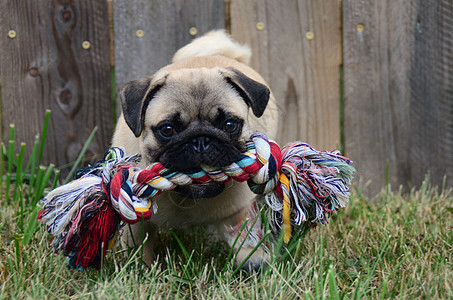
192, 117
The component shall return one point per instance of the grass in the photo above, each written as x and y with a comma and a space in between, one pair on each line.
399, 246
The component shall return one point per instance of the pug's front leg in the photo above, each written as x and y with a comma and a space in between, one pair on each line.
134, 235
247, 240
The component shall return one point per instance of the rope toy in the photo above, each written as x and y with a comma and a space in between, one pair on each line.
299, 185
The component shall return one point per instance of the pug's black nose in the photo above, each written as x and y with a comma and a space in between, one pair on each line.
201, 143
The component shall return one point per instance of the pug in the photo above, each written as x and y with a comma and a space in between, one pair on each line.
198, 110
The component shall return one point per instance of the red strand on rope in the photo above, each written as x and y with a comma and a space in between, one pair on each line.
276, 154
98, 231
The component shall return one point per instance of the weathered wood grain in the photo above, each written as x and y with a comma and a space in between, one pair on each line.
296, 47
46, 67
398, 100
165, 27
376, 50
431, 92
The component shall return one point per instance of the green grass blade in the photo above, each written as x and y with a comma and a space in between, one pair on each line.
318, 288
44, 136
10, 157
333, 289
250, 254
293, 243
19, 174
32, 226
56, 277
230, 254
309, 296
14, 271
81, 154
280, 243
131, 259
396, 268
11, 145
376, 262
358, 289
181, 245
246, 236
384, 289
31, 164
55, 180
38, 183
43, 183
142, 221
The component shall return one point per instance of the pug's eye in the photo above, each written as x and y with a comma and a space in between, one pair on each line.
230, 126
167, 130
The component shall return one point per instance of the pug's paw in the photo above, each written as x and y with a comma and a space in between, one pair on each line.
256, 263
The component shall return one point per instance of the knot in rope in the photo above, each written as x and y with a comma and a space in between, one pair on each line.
132, 189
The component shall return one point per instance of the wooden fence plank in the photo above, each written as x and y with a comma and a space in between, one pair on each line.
148, 33
431, 92
375, 88
45, 66
296, 47
398, 116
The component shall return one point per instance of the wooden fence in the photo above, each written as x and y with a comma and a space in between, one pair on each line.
375, 77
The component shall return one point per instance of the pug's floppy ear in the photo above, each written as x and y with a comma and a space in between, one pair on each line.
135, 97
255, 94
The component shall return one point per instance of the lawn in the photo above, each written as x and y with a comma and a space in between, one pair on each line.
398, 245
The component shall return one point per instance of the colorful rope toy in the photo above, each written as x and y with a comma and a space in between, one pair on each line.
299, 185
